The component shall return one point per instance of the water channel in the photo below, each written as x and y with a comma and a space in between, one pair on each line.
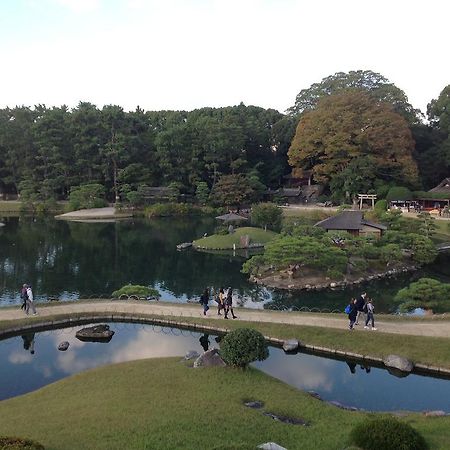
32, 360
69, 260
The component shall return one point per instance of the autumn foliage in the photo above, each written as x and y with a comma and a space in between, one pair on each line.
352, 125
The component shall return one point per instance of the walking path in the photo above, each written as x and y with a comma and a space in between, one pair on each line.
414, 327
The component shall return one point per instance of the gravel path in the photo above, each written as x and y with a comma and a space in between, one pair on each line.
414, 327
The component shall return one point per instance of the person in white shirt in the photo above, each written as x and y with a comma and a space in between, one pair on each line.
30, 302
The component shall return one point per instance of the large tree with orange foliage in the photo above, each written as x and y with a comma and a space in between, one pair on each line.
352, 125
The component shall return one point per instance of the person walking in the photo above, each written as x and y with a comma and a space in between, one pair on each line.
30, 302
23, 297
220, 301
229, 304
204, 300
370, 318
353, 311
360, 307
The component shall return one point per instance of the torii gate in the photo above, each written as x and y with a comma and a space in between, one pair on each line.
362, 197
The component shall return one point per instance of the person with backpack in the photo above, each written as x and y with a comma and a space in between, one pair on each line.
229, 304
352, 311
24, 297
204, 300
370, 309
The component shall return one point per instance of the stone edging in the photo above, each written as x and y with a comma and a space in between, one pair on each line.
130, 318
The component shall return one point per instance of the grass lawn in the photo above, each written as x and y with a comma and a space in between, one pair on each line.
163, 404
10, 206
226, 241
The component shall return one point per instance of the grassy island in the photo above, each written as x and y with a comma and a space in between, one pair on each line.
163, 404
226, 241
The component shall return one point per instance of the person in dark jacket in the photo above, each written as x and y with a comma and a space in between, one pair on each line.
229, 304
24, 297
352, 314
204, 300
360, 306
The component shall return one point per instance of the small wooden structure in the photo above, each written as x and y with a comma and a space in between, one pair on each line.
371, 197
352, 222
231, 217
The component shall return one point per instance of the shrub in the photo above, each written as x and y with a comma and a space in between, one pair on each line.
381, 206
136, 289
87, 196
399, 193
13, 443
387, 434
242, 346
267, 215
170, 209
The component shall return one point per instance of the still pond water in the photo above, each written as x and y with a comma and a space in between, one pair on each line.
68, 260
33, 360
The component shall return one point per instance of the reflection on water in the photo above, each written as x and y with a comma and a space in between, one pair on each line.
32, 361
71, 260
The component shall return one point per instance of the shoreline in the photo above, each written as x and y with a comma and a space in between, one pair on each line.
278, 281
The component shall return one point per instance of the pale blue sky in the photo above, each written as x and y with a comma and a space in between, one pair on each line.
185, 54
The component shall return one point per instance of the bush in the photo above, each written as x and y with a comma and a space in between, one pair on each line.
170, 209
87, 196
13, 443
381, 206
399, 193
136, 289
387, 434
242, 346
267, 215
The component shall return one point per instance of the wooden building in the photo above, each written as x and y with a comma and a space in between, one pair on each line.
352, 222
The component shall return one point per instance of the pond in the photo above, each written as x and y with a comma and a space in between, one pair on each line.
68, 260
32, 360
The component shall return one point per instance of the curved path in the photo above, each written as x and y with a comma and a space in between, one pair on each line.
415, 327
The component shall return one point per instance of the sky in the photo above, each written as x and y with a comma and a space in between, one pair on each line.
187, 54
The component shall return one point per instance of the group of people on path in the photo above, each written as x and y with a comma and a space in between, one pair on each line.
224, 301
356, 310
26, 295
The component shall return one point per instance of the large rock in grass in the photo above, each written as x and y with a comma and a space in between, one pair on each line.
399, 363
98, 333
271, 446
210, 358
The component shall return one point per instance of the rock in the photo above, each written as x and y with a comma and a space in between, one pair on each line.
63, 346
271, 446
332, 285
191, 354
98, 333
255, 405
285, 419
211, 358
435, 413
291, 345
399, 363
315, 395
341, 406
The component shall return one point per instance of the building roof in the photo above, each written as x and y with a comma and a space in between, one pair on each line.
348, 220
231, 217
443, 187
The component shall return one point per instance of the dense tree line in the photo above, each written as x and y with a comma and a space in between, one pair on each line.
44, 152
355, 131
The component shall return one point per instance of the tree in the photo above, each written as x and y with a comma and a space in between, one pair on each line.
242, 346
202, 192
399, 193
231, 190
425, 293
87, 196
423, 248
427, 223
374, 84
352, 125
267, 215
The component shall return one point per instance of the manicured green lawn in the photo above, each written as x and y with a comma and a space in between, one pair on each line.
163, 404
226, 241
10, 206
